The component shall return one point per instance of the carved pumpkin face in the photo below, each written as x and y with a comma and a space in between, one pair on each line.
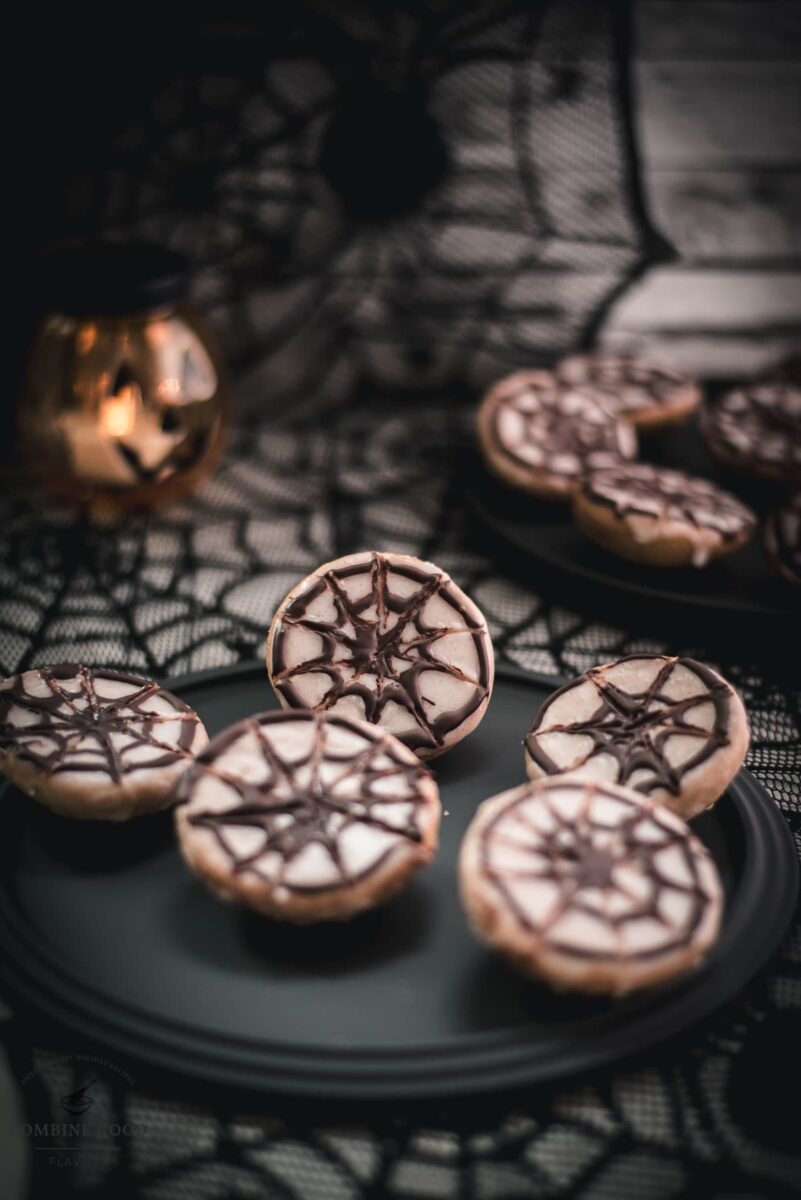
123, 405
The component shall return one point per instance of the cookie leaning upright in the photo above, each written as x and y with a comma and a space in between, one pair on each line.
589, 886
671, 728
305, 817
95, 743
541, 436
388, 639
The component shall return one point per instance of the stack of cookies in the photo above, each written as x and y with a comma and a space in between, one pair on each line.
570, 435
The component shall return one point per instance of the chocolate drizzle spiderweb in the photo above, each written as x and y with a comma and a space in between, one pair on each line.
597, 863
73, 714
668, 495
311, 800
624, 383
564, 426
634, 727
383, 634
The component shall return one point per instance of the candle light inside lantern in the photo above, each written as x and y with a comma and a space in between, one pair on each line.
118, 412
138, 416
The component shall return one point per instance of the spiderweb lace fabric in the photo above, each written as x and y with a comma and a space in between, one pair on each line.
402, 200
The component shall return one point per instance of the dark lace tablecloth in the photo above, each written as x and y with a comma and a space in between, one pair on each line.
712, 1115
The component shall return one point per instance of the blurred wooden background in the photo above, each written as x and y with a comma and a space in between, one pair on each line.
719, 132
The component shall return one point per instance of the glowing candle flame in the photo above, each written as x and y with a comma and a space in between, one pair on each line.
118, 413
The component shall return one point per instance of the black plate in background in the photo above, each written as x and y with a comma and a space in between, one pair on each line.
103, 929
738, 592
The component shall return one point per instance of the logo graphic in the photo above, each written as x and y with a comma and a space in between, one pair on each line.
62, 1130
78, 1102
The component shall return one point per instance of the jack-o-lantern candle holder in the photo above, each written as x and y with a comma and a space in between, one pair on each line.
125, 403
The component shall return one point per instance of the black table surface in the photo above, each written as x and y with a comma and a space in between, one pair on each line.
194, 587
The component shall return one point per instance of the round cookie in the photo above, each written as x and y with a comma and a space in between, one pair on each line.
94, 743
541, 437
305, 817
388, 639
670, 728
648, 395
757, 430
783, 539
589, 886
659, 516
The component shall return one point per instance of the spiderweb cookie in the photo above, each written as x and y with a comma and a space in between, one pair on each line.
306, 817
541, 436
95, 743
659, 516
589, 886
648, 395
388, 639
670, 728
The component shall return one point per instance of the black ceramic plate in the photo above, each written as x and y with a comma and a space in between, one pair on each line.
737, 588
104, 929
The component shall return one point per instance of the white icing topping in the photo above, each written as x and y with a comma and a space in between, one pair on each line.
639, 721
559, 431
625, 385
656, 503
376, 649
81, 724
321, 802
609, 874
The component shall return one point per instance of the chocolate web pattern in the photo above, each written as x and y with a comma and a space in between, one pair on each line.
376, 644
585, 857
319, 813
633, 727
568, 429
73, 713
668, 495
624, 383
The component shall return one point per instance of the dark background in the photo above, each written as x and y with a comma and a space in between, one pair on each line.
417, 196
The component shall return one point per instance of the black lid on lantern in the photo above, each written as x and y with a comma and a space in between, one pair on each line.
112, 279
